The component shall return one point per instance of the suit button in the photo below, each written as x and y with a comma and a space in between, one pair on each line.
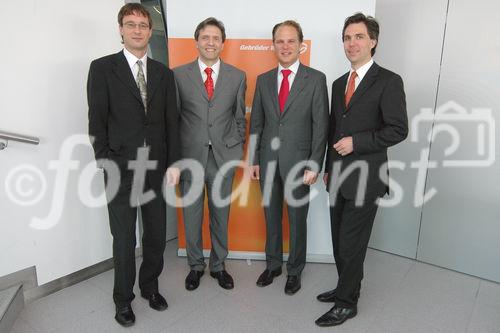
341, 135
210, 104
210, 125
344, 115
281, 124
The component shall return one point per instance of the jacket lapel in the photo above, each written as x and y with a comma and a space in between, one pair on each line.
153, 78
272, 87
299, 83
123, 72
193, 72
366, 83
222, 79
340, 92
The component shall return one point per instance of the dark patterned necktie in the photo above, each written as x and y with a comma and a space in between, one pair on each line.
141, 83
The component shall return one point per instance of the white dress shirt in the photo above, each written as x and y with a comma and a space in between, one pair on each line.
294, 68
215, 70
361, 71
132, 62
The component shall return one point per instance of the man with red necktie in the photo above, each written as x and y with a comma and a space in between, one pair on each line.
289, 120
212, 132
368, 115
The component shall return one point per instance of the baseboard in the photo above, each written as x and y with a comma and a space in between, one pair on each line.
14, 304
25, 277
32, 291
71, 279
316, 258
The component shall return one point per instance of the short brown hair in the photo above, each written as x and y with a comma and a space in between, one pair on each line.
371, 25
134, 9
290, 23
210, 21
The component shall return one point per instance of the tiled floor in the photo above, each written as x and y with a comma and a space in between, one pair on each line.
398, 295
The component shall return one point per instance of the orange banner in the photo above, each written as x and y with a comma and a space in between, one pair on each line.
247, 230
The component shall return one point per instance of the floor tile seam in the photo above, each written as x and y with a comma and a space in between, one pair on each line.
471, 313
392, 292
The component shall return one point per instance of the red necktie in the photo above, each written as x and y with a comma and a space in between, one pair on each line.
284, 89
350, 88
209, 83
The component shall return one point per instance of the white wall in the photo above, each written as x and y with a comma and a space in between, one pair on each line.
46, 52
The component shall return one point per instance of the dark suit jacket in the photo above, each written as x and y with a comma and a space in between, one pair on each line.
117, 121
376, 119
301, 128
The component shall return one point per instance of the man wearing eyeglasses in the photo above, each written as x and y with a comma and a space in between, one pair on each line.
132, 106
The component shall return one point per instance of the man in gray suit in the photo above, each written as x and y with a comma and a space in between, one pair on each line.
289, 120
212, 132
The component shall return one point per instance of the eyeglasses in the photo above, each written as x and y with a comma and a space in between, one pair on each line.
133, 26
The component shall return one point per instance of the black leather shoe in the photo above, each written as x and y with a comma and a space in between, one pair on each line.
193, 279
292, 284
156, 301
125, 316
225, 280
266, 278
328, 296
336, 316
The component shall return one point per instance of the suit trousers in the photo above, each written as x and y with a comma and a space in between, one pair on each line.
297, 218
218, 217
122, 220
351, 228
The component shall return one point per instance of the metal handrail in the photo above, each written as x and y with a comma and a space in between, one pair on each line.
16, 137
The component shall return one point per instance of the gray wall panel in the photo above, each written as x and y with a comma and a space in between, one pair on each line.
411, 38
461, 224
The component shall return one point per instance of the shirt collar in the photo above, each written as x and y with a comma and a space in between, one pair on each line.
294, 67
361, 71
132, 59
215, 67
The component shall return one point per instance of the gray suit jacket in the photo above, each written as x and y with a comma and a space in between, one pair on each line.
220, 121
302, 127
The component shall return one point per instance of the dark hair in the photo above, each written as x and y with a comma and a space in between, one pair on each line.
371, 25
290, 23
134, 9
210, 21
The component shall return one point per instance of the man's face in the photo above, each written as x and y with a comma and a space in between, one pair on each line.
136, 32
286, 45
209, 44
357, 44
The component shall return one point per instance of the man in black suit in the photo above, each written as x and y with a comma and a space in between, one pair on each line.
368, 115
132, 106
